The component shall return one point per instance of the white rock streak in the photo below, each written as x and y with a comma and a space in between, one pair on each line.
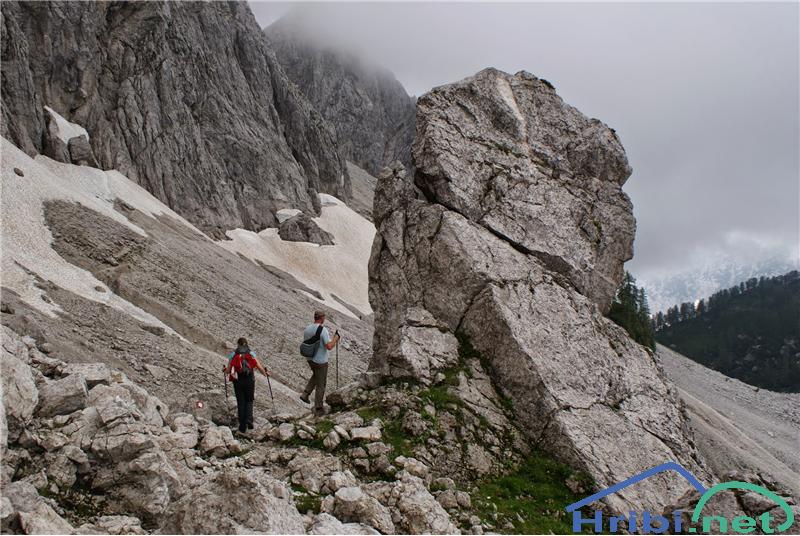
66, 130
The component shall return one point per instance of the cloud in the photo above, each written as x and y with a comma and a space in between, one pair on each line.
703, 96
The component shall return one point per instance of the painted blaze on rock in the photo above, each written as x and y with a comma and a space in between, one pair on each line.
514, 230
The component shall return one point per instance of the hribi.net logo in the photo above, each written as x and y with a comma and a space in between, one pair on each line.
651, 523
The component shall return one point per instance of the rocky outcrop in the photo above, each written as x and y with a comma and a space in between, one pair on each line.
235, 501
114, 460
185, 99
371, 111
512, 234
301, 228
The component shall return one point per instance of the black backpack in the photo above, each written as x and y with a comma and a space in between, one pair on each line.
309, 346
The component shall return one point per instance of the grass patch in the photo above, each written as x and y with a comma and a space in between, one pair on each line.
440, 397
324, 426
369, 413
532, 497
305, 501
394, 436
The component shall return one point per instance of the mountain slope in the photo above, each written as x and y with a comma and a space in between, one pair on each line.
184, 98
100, 270
372, 113
736, 426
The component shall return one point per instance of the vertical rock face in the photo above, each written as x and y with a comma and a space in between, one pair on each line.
513, 232
185, 98
372, 113
508, 154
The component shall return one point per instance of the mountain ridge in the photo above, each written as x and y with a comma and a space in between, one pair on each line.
186, 99
370, 110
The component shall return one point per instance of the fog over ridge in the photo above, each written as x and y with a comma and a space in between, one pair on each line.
703, 96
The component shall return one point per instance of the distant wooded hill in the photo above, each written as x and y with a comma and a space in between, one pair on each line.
750, 331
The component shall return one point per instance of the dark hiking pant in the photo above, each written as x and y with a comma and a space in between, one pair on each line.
245, 389
318, 381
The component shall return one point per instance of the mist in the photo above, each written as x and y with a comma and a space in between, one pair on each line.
703, 96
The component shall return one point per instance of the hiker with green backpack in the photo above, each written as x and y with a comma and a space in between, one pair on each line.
317, 341
242, 364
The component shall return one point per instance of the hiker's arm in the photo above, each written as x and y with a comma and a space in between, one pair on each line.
334, 342
261, 368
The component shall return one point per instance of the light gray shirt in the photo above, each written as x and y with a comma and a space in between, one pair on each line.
321, 353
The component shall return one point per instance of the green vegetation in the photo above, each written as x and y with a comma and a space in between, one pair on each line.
371, 412
440, 397
305, 500
532, 497
324, 426
750, 331
630, 311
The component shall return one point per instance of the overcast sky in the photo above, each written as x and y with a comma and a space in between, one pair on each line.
704, 98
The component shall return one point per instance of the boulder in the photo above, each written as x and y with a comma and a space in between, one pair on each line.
218, 441
310, 469
447, 499
93, 373
185, 432
113, 525
30, 514
62, 472
327, 524
80, 152
508, 154
20, 395
301, 228
337, 480
365, 433
144, 485
352, 504
234, 501
62, 396
419, 510
331, 440
520, 195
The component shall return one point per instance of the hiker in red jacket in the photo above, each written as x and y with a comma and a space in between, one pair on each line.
242, 363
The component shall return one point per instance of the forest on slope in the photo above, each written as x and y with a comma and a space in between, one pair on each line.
749, 331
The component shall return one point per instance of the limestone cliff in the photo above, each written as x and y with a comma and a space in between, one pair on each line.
185, 98
513, 232
371, 111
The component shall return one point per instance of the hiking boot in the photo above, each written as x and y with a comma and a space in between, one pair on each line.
319, 412
249, 426
305, 399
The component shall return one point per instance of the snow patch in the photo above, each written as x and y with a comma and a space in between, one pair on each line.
286, 213
27, 242
66, 129
339, 269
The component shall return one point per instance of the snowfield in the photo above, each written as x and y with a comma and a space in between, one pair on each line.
26, 240
337, 271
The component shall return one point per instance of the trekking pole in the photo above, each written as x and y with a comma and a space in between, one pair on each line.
269, 384
337, 364
225, 381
